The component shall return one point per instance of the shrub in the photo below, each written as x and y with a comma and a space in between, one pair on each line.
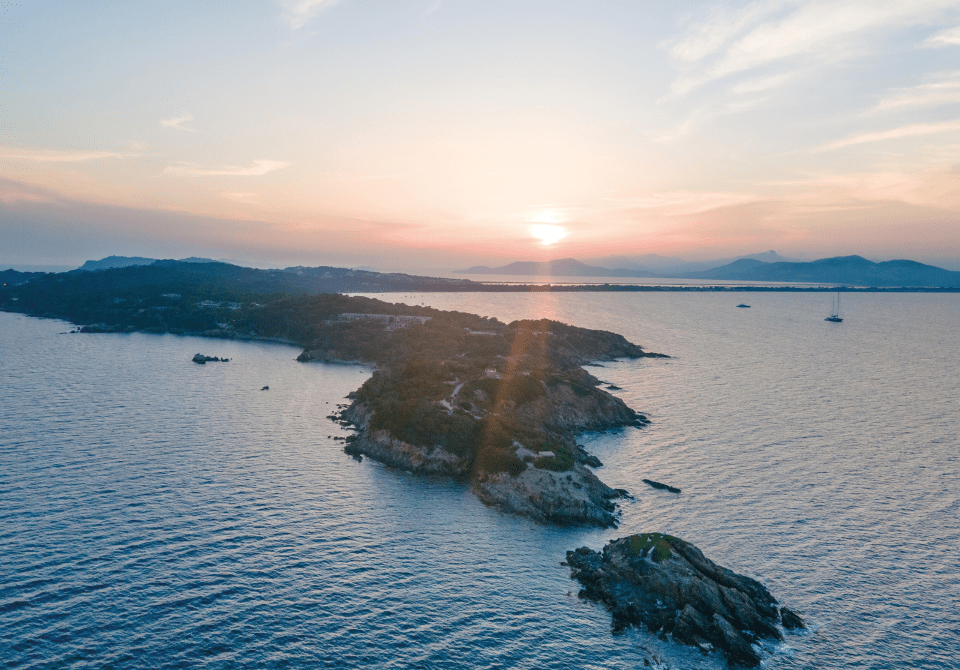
561, 461
642, 543
494, 460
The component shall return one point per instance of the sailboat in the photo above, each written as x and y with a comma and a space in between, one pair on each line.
835, 311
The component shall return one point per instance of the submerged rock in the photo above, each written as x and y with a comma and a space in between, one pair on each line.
668, 585
661, 486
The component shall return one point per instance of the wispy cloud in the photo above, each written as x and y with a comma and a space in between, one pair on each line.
177, 123
723, 25
56, 156
299, 13
949, 37
243, 197
678, 203
257, 169
437, 4
677, 133
785, 33
912, 130
945, 89
12, 192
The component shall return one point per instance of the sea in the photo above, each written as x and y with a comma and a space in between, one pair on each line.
156, 513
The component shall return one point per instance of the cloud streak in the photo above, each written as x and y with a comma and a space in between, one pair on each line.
945, 90
177, 123
949, 37
299, 13
257, 169
56, 156
780, 32
912, 130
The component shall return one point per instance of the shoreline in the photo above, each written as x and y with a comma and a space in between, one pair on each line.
603, 288
450, 392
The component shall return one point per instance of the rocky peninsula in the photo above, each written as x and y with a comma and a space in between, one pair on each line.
454, 394
669, 586
502, 408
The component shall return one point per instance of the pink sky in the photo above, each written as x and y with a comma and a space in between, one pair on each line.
427, 135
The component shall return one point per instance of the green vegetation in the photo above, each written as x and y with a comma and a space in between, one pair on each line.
642, 543
473, 386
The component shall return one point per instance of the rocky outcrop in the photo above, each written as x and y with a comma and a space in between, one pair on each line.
668, 585
381, 446
503, 411
661, 486
540, 487
576, 496
579, 407
203, 360
790, 619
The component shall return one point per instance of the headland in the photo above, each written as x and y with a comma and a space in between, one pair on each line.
453, 394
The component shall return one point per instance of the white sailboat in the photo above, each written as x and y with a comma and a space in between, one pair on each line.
835, 311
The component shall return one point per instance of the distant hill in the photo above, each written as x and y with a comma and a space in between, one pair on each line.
647, 265
14, 278
645, 262
849, 270
216, 281
667, 266
111, 262
563, 267
115, 262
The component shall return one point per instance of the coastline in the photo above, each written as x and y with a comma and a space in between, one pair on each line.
452, 393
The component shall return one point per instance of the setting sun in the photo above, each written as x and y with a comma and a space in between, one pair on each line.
548, 233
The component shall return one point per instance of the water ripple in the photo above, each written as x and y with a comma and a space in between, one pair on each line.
157, 513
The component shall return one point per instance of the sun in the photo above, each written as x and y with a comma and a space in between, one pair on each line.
548, 233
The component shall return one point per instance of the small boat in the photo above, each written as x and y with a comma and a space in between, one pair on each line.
742, 305
835, 311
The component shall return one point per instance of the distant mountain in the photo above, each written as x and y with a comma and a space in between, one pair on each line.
647, 265
849, 270
563, 267
767, 257
111, 262
645, 262
667, 266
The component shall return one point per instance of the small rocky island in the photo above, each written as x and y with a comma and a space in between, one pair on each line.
669, 586
203, 359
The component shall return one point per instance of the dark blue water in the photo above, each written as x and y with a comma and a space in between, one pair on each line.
158, 513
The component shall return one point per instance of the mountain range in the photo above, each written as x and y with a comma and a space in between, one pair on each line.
137, 271
849, 270
647, 265
563, 267
672, 265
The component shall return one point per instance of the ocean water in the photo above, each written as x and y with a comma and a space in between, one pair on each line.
158, 513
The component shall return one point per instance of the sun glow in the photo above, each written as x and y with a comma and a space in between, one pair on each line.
548, 233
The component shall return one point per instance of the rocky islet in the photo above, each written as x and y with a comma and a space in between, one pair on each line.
667, 585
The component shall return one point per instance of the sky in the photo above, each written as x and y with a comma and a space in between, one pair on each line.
434, 134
